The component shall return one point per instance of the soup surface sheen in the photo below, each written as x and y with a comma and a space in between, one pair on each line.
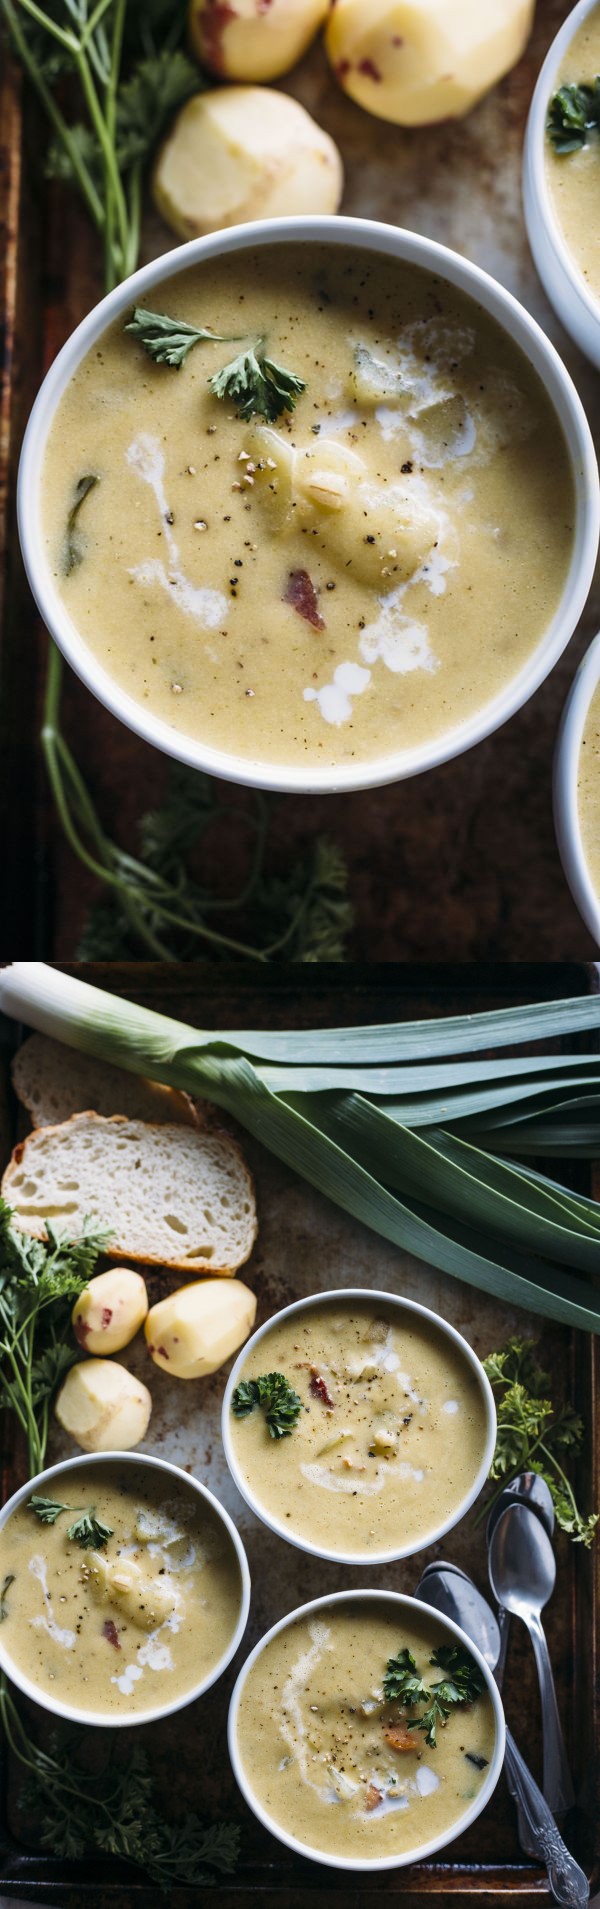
312, 1726
355, 579
390, 1438
589, 789
574, 177
132, 1625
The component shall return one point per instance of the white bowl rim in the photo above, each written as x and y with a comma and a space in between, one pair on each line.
565, 788
421, 1851
534, 154
540, 354
360, 1559
102, 1719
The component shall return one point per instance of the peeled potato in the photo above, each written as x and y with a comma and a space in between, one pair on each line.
193, 1331
110, 1310
417, 61
145, 1601
103, 1407
247, 40
239, 153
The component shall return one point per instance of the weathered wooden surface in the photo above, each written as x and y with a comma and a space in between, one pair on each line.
461, 863
305, 1244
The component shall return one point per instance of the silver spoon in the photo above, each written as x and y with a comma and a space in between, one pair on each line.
444, 1588
522, 1570
530, 1489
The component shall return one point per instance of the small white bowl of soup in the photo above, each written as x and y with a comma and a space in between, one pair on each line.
561, 186
336, 1770
130, 1620
577, 789
342, 594
391, 1438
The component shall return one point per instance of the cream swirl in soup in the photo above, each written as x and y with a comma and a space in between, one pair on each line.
390, 1433
128, 1621
336, 1764
339, 581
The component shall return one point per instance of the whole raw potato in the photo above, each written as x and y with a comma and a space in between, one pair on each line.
103, 1407
193, 1331
416, 61
110, 1310
251, 39
243, 152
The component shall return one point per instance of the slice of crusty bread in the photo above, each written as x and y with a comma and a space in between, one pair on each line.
172, 1196
53, 1081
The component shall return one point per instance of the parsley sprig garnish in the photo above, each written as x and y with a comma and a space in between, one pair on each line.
253, 382
87, 1530
461, 1683
112, 1813
535, 1434
273, 1392
573, 113
257, 386
39, 1279
168, 340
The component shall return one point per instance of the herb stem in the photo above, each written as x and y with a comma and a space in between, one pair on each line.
84, 179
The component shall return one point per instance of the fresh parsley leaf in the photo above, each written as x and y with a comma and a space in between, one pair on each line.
273, 1392
81, 1810
168, 340
47, 1509
402, 1679
9, 1579
74, 548
39, 1279
147, 101
89, 1531
462, 1681
257, 386
573, 113
301, 914
534, 1434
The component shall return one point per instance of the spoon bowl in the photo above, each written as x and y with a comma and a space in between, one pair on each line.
528, 1488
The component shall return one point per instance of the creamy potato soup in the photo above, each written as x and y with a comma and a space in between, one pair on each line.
128, 1623
389, 1438
588, 791
574, 177
348, 579
332, 1761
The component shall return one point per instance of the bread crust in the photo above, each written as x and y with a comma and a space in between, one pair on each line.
116, 1250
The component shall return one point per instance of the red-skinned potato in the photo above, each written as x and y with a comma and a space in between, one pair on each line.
248, 40
103, 1407
418, 61
110, 1311
194, 1331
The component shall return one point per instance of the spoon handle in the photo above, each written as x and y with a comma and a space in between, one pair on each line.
567, 1881
558, 1787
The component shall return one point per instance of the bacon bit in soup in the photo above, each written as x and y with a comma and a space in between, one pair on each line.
373, 1797
399, 1737
109, 1631
319, 1389
301, 594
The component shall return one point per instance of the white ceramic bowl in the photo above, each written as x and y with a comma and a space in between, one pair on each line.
397, 244
173, 1477
566, 773
355, 1294
422, 1850
561, 278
